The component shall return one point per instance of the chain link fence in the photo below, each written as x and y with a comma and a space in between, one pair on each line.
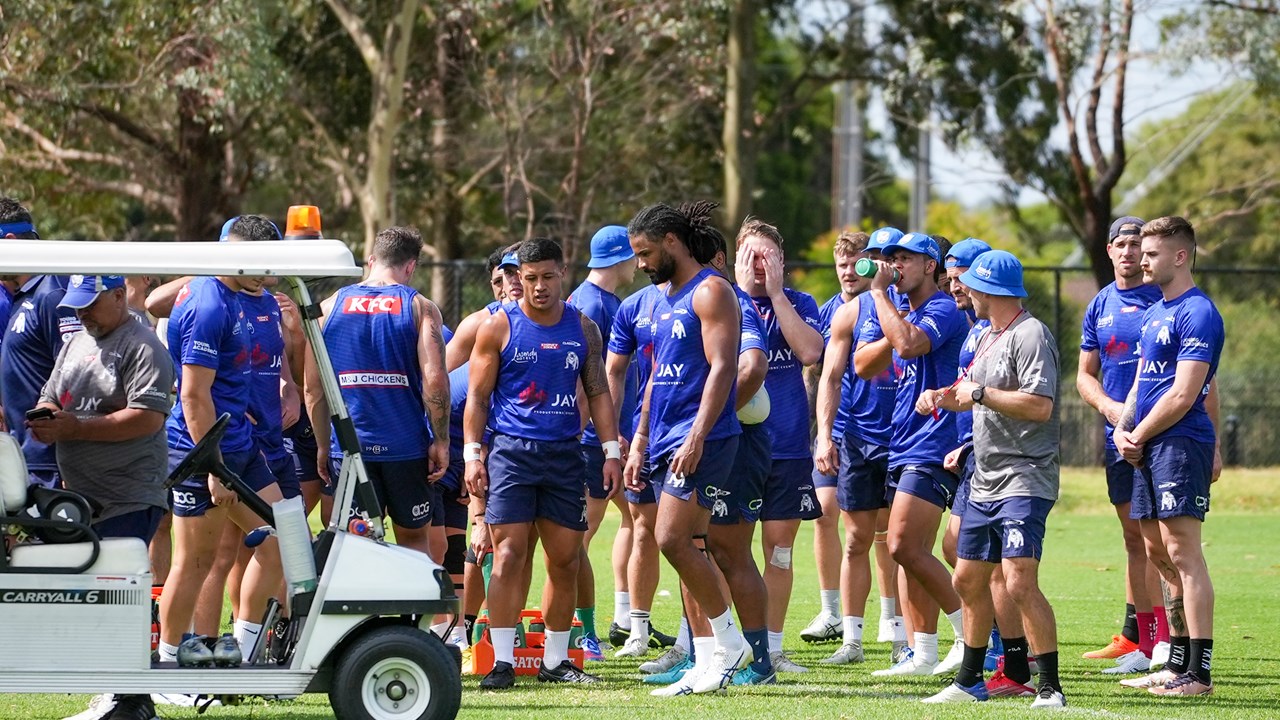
1249, 299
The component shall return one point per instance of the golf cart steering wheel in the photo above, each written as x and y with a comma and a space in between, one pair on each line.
204, 457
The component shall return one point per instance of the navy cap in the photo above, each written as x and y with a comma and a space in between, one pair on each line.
610, 246
884, 236
1121, 222
963, 253
918, 243
995, 273
84, 289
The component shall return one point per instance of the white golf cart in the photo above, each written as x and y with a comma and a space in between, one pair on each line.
75, 610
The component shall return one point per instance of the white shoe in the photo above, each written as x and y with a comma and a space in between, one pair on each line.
666, 661
900, 651
952, 661
683, 686
784, 664
1134, 662
99, 707
725, 662
1049, 698
850, 652
887, 627
1155, 679
952, 693
822, 628
1160, 654
908, 666
633, 647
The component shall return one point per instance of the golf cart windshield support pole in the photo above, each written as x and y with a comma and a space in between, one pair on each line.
338, 409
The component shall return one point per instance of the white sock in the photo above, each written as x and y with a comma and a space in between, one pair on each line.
831, 602
555, 648
775, 642
640, 624
504, 645
703, 648
723, 630
621, 606
852, 629
440, 629
246, 633
888, 608
168, 653
957, 624
926, 648
899, 629
682, 637
458, 637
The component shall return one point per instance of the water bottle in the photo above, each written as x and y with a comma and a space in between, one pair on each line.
867, 268
482, 624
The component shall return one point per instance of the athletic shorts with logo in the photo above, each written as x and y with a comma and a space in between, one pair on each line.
400, 488
864, 470
961, 500
931, 483
749, 473
789, 493
191, 498
652, 490
1011, 527
593, 460
711, 483
823, 480
1173, 480
531, 479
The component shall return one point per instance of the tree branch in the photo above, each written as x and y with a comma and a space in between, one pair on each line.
1095, 89
354, 25
1052, 37
1260, 8
1108, 179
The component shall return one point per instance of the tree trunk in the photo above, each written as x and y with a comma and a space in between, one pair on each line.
199, 185
446, 207
1097, 223
738, 138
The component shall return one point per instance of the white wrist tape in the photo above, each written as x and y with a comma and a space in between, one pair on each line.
612, 449
470, 451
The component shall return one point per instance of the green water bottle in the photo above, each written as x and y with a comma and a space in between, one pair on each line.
481, 624
867, 268
486, 569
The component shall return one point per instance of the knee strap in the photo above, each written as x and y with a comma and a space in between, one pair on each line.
455, 554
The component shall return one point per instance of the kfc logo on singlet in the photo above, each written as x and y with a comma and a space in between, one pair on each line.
377, 305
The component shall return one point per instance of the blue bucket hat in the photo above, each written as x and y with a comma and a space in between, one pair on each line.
884, 236
610, 246
963, 253
918, 243
84, 289
995, 273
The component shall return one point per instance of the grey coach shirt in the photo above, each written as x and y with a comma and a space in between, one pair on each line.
95, 377
1016, 457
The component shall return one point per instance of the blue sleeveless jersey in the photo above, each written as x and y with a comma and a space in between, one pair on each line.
536, 396
208, 328
1187, 327
925, 439
870, 401
826, 314
964, 420
632, 334
680, 371
266, 353
788, 422
602, 307
373, 345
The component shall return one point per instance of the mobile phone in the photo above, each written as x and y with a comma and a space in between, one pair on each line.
40, 413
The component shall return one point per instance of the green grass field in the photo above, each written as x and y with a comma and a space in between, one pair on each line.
1082, 575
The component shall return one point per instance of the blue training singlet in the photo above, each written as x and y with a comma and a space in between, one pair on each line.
870, 401
680, 371
373, 344
536, 395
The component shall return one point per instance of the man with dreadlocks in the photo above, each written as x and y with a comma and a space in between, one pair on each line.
687, 422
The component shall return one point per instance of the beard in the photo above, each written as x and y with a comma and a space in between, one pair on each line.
663, 271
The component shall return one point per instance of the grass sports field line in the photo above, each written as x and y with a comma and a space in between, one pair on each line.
1082, 576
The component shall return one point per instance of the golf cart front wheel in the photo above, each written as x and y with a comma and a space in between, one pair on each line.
396, 673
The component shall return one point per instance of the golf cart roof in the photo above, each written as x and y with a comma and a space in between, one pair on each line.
288, 258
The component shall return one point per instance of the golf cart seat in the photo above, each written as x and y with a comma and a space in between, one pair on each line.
60, 518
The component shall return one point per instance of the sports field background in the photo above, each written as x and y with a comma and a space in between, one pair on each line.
1082, 574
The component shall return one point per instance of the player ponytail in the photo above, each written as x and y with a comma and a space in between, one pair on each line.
690, 224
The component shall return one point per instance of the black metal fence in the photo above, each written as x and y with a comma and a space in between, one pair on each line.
1058, 295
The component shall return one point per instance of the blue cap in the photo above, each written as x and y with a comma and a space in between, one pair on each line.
15, 228
918, 243
226, 229
510, 260
610, 246
995, 273
963, 253
884, 236
84, 289
1120, 223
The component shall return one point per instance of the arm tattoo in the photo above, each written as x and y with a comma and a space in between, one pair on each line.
438, 403
1129, 415
594, 381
